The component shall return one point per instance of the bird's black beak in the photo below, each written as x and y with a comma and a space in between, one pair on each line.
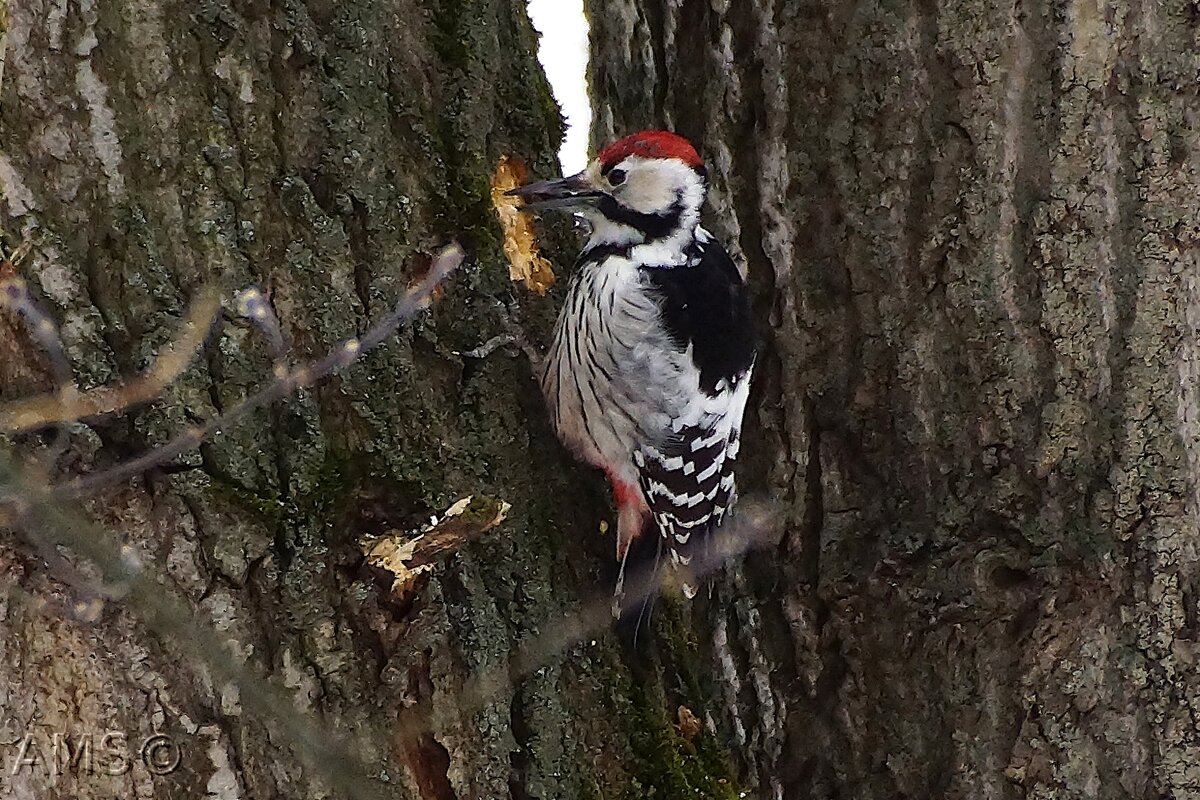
574, 190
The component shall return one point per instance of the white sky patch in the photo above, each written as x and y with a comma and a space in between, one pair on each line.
564, 53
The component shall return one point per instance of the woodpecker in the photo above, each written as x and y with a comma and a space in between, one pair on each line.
649, 369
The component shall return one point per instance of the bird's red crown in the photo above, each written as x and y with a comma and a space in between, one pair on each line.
651, 144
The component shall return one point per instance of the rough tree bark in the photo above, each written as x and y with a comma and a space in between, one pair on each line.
317, 149
973, 232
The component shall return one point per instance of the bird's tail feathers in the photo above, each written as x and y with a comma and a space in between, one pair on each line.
638, 585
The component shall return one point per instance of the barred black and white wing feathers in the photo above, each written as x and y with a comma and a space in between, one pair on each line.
689, 486
687, 473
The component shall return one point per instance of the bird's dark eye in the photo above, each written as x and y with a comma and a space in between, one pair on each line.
616, 177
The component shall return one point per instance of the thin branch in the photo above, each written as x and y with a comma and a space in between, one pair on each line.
252, 304
67, 404
490, 346
172, 619
514, 335
415, 300
37, 509
175, 623
757, 523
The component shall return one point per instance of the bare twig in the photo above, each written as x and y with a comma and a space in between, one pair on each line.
175, 623
490, 346
171, 619
514, 335
415, 300
67, 404
253, 305
37, 509
757, 523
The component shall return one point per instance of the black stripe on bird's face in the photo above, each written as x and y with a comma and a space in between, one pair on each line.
651, 226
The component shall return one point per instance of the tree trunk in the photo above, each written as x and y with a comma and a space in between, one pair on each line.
318, 150
973, 234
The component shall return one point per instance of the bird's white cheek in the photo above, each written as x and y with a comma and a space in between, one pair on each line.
647, 198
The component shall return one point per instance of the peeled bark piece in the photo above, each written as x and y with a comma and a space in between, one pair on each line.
972, 235
411, 557
525, 263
